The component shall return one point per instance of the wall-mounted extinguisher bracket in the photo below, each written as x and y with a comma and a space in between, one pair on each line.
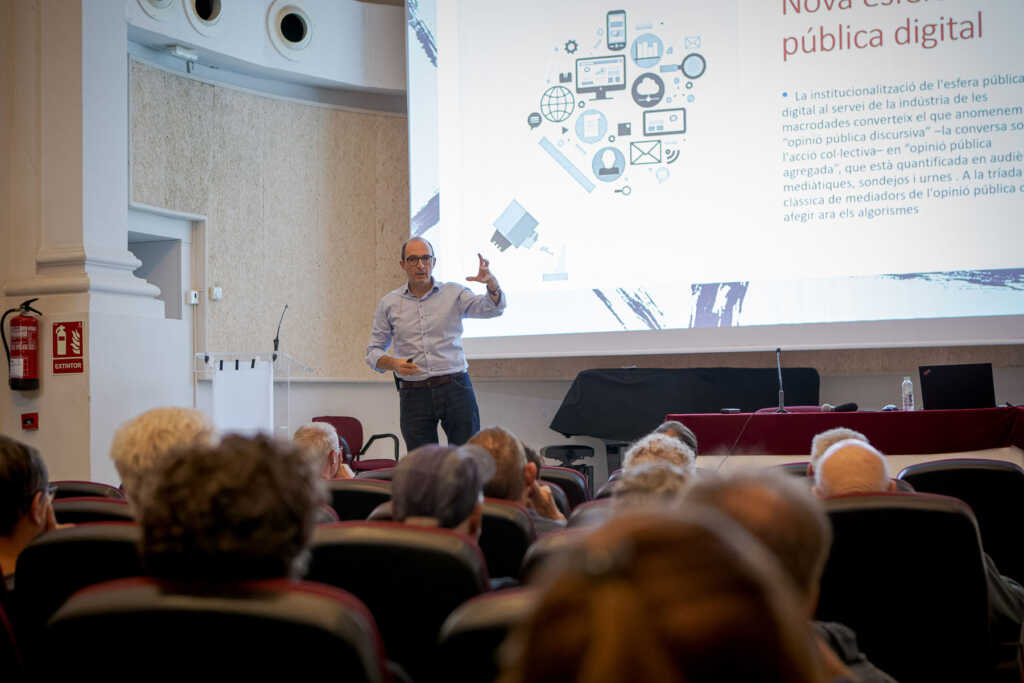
23, 350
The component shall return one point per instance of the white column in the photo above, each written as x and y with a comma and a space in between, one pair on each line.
66, 229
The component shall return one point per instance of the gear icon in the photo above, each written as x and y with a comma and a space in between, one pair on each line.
571, 46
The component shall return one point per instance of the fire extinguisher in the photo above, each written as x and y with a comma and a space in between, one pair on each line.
23, 353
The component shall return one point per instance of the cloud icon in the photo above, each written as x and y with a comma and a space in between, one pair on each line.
647, 86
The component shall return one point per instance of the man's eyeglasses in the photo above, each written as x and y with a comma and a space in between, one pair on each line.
425, 260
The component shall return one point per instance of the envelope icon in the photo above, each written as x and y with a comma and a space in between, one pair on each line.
645, 152
692, 42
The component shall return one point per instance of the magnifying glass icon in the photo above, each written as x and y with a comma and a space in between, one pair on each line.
625, 190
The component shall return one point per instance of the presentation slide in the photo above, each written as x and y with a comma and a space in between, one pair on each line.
686, 175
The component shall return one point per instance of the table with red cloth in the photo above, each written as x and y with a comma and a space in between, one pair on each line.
895, 432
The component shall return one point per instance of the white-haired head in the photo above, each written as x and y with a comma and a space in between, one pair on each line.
660, 448
141, 443
851, 466
320, 441
822, 442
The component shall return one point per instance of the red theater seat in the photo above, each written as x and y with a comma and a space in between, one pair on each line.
350, 430
906, 573
247, 631
410, 577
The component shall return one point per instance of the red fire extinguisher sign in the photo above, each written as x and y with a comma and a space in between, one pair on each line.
68, 348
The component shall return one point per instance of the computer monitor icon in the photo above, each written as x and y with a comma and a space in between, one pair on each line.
600, 74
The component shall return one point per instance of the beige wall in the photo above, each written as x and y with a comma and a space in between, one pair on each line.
306, 205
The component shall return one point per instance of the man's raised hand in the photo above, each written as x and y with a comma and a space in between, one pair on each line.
484, 275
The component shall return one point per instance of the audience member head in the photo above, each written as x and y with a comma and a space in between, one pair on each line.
532, 456
513, 474
242, 510
781, 512
822, 442
659, 597
143, 441
852, 466
25, 505
649, 484
657, 447
677, 430
442, 486
320, 440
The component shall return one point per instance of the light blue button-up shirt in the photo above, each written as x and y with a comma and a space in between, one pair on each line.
428, 330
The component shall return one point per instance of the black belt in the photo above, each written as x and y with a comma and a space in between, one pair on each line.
430, 382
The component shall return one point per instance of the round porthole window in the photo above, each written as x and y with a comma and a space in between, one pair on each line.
290, 28
157, 9
204, 15
207, 10
293, 28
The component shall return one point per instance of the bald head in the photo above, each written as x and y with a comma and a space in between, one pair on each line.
851, 466
779, 511
418, 240
822, 442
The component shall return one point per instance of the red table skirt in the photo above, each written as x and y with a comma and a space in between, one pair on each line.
893, 433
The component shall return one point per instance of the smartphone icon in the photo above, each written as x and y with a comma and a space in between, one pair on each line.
616, 31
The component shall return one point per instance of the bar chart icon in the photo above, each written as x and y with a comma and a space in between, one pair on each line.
647, 50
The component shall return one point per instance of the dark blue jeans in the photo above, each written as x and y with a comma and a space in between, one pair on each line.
452, 404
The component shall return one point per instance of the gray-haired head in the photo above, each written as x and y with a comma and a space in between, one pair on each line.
657, 447
649, 484
678, 430
440, 482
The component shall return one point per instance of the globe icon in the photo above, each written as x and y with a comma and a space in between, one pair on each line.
557, 103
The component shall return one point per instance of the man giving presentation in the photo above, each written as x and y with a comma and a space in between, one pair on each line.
422, 323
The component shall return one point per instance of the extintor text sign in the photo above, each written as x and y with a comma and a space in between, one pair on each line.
68, 348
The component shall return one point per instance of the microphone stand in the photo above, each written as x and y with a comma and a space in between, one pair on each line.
277, 337
778, 365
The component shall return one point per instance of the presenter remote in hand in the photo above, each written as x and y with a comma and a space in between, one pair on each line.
421, 322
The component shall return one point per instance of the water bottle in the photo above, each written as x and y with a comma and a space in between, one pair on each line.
907, 394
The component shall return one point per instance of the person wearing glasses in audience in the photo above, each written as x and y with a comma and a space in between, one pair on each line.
26, 503
421, 322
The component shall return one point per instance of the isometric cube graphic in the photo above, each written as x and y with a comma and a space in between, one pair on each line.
515, 226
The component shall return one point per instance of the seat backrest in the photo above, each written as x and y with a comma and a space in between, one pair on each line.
381, 513
797, 469
356, 498
254, 630
551, 545
472, 635
10, 652
63, 561
572, 482
381, 473
906, 574
411, 578
559, 497
590, 514
507, 533
995, 491
325, 514
75, 489
349, 428
91, 509
607, 490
